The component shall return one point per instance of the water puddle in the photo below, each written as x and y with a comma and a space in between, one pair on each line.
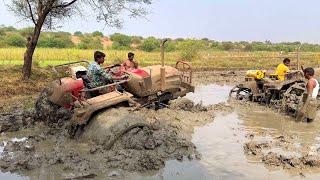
221, 142
210, 94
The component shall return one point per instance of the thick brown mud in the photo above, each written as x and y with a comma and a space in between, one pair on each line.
167, 137
205, 138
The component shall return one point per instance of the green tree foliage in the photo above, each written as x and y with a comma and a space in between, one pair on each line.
136, 40
26, 32
8, 28
88, 42
78, 33
170, 46
120, 41
55, 40
97, 34
227, 46
150, 44
190, 48
15, 40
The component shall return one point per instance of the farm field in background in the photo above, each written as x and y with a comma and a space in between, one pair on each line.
206, 59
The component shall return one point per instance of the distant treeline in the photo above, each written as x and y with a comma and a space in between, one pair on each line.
12, 37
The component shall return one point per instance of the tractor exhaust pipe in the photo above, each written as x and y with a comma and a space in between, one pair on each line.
162, 69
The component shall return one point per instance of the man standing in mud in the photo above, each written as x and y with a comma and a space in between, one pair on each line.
282, 69
308, 111
130, 63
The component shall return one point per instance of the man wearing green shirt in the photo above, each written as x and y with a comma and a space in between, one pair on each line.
98, 74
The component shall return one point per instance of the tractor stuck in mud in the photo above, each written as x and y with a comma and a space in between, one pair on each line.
288, 95
152, 86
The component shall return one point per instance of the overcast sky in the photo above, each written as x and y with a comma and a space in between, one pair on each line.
234, 20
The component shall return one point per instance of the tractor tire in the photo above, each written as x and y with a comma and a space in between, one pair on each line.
106, 131
48, 112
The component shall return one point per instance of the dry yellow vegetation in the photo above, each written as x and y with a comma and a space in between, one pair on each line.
206, 59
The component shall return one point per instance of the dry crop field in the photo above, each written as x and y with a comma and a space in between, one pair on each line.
206, 59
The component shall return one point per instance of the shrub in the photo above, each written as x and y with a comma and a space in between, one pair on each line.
90, 43
227, 46
120, 41
55, 40
26, 32
170, 46
150, 44
190, 49
97, 34
136, 40
51, 43
15, 40
78, 33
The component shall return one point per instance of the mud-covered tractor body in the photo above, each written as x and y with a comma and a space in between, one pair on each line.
148, 86
268, 90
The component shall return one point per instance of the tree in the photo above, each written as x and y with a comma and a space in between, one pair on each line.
15, 40
78, 33
150, 44
120, 41
97, 34
47, 13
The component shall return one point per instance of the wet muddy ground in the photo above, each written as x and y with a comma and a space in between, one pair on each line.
218, 139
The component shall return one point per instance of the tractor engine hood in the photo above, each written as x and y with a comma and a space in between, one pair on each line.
146, 81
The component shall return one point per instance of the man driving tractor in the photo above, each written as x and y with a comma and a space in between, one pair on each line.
282, 69
98, 75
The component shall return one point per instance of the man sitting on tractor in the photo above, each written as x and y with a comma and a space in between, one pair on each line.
309, 108
98, 75
130, 63
282, 69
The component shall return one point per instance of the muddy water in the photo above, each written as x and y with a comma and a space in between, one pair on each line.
221, 145
221, 142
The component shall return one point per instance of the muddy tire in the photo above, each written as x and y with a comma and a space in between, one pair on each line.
106, 133
293, 99
50, 113
240, 93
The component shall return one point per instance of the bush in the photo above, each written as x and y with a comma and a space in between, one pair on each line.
136, 40
26, 32
227, 46
120, 41
150, 44
78, 33
15, 40
51, 43
90, 43
97, 34
170, 46
190, 49
55, 40
117, 46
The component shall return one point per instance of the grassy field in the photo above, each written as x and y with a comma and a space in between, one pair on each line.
206, 60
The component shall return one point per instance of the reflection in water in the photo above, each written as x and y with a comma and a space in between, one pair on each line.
210, 94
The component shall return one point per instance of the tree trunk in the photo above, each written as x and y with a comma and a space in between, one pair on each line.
31, 46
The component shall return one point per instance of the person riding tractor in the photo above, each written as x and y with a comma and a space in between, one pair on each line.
282, 70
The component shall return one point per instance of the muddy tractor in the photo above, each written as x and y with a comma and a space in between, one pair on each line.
151, 86
288, 94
